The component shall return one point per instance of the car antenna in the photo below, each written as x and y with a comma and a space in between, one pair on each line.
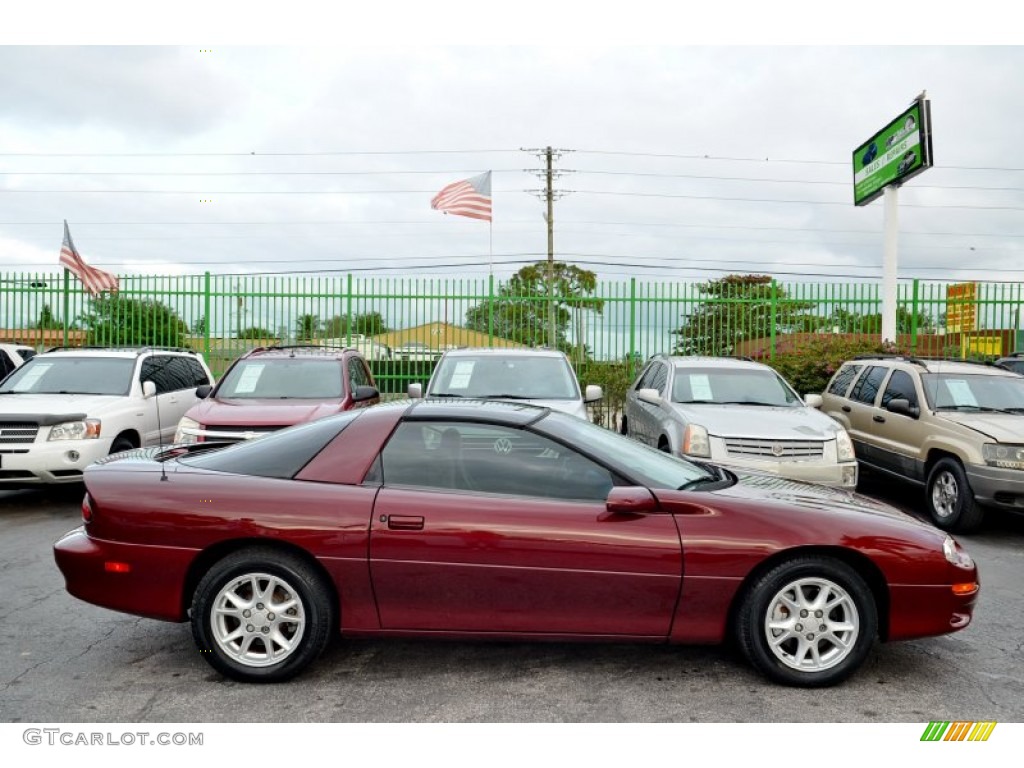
159, 434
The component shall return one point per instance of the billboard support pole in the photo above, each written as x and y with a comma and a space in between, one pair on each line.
889, 259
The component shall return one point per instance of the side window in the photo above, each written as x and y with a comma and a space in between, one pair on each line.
485, 458
659, 379
196, 372
172, 373
155, 369
6, 364
842, 380
645, 380
866, 388
901, 385
357, 374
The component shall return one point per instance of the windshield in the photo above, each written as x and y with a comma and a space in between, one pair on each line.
526, 377
283, 378
721, 385
65, 375
974, 392
638, 462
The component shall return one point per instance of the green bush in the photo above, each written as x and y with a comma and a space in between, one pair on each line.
811, 363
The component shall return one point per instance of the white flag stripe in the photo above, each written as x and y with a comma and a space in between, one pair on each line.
95, 280
470, 197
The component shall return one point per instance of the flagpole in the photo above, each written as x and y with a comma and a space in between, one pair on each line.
67, 280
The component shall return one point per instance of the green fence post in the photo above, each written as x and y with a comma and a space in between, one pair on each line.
348, 310
490, 310
206, 314
774, 320
67, 281
632, 326
913, 318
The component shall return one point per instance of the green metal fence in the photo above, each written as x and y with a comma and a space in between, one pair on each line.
403, 324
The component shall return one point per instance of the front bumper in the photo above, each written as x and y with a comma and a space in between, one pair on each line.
49, 462
997, 487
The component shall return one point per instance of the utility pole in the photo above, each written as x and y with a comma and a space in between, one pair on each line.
549, 195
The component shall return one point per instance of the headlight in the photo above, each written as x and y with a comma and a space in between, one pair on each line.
955, 554
844, 446
89, 429
695, 441
180, 436
1002, 455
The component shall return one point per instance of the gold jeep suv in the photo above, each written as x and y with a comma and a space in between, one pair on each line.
954, 427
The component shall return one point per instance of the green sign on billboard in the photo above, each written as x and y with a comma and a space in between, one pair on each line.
896, 153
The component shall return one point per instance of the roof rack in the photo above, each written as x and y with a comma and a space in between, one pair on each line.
138, 349
296, 347
887, 356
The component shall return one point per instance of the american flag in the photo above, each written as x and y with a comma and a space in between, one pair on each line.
471, 197
95, 280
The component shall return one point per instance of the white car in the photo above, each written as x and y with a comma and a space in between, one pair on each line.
536, 376
13, 356
64, 409
737, 413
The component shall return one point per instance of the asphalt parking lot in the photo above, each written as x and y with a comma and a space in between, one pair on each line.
65, 661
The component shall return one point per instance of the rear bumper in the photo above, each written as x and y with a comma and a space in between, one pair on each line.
142, 580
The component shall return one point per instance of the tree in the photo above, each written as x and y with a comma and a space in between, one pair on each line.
199, 326
117, 320
519, 312
307, 327
46, 320
367, 324
256, 333
738, 307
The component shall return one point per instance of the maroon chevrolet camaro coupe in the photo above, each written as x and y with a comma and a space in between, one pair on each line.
469, 519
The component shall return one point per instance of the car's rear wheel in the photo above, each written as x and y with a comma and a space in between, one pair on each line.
810, 621
262, 615
950, 499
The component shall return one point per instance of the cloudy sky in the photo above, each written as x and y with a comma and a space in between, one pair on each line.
674, 161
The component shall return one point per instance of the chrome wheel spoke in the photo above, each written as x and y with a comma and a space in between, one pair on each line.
811, 624
258, 619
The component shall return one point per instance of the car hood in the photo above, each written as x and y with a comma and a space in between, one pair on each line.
28, 404
261, 412
1002, 427
760, 422
762, 487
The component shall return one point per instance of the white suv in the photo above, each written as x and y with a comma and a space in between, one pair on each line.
66, 408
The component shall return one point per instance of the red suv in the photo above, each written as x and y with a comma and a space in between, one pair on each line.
270, 388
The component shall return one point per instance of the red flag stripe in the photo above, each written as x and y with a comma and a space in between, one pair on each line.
95, 280
470, 197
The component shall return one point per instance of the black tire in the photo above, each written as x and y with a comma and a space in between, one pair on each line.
816, 655
121, 443
296, 635
950, 500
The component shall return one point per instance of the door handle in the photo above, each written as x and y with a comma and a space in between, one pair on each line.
846, 409
405, 523
879, 419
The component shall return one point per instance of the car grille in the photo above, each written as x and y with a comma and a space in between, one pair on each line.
17, 432
782, 450
222, 432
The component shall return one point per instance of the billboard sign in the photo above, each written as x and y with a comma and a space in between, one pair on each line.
961, 307
896, 153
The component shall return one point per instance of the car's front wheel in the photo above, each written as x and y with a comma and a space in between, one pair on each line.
261, 615
950, 499
810, 621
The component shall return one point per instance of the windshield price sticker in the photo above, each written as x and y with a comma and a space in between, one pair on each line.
700, 386
32, 377
249, 378
462, 375
960, 392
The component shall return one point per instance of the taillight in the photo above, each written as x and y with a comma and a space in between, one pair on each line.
87, 508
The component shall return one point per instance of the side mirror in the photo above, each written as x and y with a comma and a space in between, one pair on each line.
813, 401
593, 393
903, 407
203, 391
631, 500
364, 392
148, 389
651, 396
415, 391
